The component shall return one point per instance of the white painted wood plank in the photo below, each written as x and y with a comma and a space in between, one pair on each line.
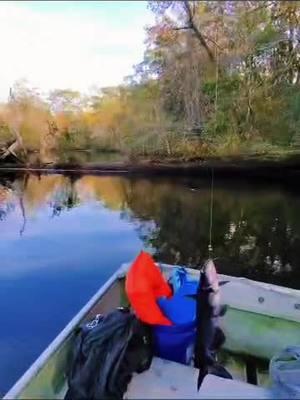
214, 387
170, 380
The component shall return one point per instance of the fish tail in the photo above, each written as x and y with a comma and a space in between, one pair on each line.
218, 370
201, 376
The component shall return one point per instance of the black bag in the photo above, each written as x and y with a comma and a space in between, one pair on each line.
106, 352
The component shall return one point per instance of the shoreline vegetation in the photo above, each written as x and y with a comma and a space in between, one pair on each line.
219, 86
272, 168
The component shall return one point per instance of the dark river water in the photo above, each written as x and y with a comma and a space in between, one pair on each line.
63, 236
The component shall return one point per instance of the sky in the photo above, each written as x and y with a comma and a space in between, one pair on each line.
70, 44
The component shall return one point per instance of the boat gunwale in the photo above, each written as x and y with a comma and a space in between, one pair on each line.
54, 345
290, 294
264, 285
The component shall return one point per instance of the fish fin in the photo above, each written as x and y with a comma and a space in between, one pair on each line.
219, 339
222, 283
220, 311
218, 370
223, 310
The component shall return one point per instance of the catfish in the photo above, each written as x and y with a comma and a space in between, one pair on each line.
209, 335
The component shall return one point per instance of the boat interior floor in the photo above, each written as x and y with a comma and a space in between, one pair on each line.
171, 380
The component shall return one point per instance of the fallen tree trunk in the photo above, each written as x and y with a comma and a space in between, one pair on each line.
11, 150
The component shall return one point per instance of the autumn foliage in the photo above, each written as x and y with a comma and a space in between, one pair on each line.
217, 78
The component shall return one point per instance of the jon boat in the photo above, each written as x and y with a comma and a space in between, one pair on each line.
261, 320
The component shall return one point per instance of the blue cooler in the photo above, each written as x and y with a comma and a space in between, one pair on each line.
176, 342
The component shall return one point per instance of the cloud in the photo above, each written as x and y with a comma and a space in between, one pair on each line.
68, 48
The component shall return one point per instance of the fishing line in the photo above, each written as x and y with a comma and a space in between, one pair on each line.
210, 248
217, 83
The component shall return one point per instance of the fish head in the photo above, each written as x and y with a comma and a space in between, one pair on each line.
209, 277
208, 288
210, 284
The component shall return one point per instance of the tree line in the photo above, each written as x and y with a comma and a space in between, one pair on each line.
217, 78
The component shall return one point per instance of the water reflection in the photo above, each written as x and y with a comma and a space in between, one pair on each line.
256, 232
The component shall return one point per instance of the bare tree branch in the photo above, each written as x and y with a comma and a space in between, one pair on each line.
261, 6
184, 28
10, 150
196, 31
212, 41
181, 28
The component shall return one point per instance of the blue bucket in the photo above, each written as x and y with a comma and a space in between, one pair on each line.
176, 342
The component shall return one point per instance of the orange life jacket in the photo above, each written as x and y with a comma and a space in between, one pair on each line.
144, 284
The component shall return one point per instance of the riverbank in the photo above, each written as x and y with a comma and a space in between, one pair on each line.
272, 169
